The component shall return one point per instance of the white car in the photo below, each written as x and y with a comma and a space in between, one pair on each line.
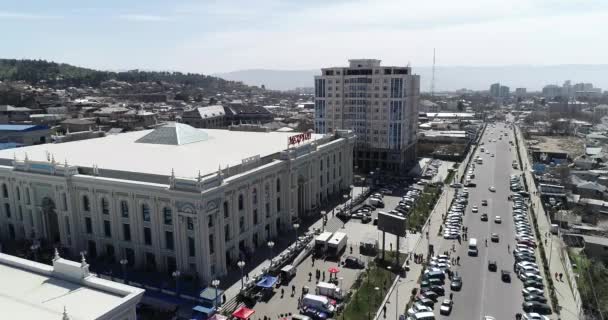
474, 209
418, 307
492, 189
446, 307
497, 219
532, 290
534, 316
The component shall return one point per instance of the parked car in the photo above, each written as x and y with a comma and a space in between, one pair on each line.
354, 262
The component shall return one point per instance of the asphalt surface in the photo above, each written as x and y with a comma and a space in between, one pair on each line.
483, 292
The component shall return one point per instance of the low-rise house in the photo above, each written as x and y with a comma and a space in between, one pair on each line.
25, 135
75, 125
210, 117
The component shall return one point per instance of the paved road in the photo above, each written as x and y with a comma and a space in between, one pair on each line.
483, 292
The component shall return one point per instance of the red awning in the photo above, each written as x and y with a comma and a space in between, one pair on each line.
243, 313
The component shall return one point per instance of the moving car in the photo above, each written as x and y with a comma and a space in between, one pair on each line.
484, 217
456, 284
492, 265
492, 189
474, 209
484, 202
446, 307
505, 275
497, 219
494, 237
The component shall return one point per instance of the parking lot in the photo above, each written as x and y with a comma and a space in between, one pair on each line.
358, 230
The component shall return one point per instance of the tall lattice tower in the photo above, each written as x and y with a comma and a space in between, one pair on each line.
433, 76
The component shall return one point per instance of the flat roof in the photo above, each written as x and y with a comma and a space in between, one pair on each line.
29, 295
121, 153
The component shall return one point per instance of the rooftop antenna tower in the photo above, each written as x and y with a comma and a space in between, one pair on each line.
433, 76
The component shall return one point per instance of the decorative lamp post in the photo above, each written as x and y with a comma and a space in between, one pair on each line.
296, 226
123, 263
176, 274
215, 283
270, 246
241, 265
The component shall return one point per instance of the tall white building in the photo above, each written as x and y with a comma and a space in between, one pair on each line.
378, 103
174, 197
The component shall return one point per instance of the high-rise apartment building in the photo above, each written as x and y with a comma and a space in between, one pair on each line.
495, 90
379, 103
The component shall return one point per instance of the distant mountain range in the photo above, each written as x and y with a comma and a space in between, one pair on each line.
446, 78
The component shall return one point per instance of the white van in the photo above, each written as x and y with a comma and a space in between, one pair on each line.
320, 303
473, 247
300, 317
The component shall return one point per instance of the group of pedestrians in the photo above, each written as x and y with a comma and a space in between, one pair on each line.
418, 258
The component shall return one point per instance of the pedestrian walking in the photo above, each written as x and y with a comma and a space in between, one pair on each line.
293, 290
384, 309
556, 276
561, 276
458, 260
282, 292
323, 275
309, 276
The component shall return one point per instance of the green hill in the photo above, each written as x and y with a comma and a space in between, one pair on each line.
61, 74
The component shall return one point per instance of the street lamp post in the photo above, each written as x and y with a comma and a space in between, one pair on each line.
215, 283
34, 247
241, 265
270, 246
397, 298
123, 263
296, 226
176, 274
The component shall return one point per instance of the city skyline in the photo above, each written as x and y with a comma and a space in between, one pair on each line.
218, 36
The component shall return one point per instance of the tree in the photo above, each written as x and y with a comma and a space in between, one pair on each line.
460, 106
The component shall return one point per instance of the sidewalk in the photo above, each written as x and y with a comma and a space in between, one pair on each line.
567, 299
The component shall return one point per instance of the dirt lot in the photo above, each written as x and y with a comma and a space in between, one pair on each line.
572, 145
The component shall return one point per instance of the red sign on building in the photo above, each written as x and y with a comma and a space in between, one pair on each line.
299, 138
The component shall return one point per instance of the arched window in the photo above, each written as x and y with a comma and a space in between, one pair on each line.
168, 216
105, 206
240, 202
254, 195
124, 209
4, 191
278, 185
145, 212
86, 206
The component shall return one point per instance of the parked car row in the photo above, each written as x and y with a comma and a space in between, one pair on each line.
452, 226
525, 266
432, 288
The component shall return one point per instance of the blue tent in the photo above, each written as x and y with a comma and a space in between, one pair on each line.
201, 313
267, 282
